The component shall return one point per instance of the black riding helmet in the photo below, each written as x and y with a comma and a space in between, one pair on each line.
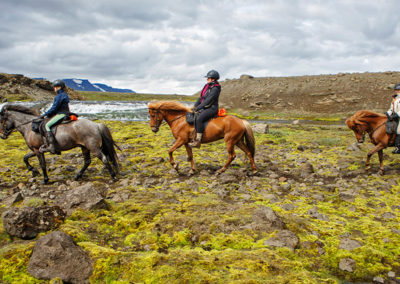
59, 83
397, 87
212, 74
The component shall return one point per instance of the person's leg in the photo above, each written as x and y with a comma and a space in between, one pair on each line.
201, 120
49, 135
397, 141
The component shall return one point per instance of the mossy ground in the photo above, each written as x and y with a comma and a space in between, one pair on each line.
179, 229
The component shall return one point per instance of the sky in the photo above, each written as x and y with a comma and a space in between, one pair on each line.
167, 47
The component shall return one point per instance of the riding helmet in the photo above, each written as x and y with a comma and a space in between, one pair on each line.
59, 83
397, 86
212, 74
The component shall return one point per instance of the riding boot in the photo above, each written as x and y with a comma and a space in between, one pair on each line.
50, 147
397, 144
196, 142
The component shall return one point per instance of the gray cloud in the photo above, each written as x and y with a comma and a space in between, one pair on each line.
167, 46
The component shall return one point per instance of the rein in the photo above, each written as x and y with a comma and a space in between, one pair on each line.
373, 130
158, 124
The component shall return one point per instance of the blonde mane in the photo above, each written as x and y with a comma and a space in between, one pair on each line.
168, 105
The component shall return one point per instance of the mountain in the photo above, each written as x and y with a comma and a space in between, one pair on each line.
86, 85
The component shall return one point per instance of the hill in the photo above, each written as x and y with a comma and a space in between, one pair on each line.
18, 87
339, 93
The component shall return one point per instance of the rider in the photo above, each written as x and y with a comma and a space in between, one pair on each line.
207, 105
58, 111
393, 114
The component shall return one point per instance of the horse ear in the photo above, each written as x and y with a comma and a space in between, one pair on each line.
350, 122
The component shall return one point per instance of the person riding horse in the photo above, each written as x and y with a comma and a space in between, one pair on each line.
57, 112
206, 106
393, 114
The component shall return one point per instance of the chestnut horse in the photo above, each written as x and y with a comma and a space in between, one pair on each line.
365, 121
235, 131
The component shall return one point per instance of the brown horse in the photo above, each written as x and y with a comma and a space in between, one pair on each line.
235, 131
91, 137
365, 121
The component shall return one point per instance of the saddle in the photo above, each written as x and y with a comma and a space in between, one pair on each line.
39, 124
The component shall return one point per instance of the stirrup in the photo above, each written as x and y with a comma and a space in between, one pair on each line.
195, 144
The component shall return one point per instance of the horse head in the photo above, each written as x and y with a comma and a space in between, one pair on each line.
156, 117
7, 124
361, 122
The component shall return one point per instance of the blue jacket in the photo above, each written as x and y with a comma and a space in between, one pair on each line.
60, 104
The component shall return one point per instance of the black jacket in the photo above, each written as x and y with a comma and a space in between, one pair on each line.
208, 97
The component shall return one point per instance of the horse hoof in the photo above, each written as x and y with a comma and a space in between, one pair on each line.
381, 172
77, 177
35, 172
176, 167
191, 172
45, 181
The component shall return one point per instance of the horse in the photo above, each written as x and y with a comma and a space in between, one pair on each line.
235, 131
365, 121
91, 137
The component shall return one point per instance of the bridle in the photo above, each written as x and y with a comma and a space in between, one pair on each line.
5, 131
370, 133
159, 122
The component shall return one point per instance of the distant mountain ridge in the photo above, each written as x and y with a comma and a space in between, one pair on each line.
86, 85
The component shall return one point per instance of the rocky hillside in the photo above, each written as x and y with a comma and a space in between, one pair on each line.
19, 87
340, 93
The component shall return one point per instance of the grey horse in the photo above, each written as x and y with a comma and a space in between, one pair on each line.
91, 137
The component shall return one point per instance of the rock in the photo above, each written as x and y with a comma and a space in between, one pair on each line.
349, 244
378, 279
388, 215
57, 255
265, 219
354, 147
260, 128
28, 222
306, 170
16, 197
284, 238
227, 178
85, 196
315, 214
347, 264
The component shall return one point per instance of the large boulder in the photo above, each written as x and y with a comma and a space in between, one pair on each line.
86, 196
57, 255
28, 222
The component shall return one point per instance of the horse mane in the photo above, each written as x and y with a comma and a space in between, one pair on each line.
362, 114
168, 105
19, 108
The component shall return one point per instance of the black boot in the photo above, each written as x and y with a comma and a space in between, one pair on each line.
397, 144
50, 146
196, 142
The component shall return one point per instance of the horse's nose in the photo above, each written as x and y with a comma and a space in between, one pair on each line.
154, 129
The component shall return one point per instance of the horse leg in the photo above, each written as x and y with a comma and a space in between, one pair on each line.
42, 162
246, 150
381, 168
231, 151
178, 143
104, 159
34, 171
87, 161
190, 159
377, 148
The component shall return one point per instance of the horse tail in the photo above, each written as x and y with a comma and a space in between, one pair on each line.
249, 137
107, 146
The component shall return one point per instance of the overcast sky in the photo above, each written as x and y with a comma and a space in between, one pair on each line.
161, 46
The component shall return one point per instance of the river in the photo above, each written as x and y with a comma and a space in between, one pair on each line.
137, 111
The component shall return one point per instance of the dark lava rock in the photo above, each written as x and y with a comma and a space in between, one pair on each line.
57, 255
28, 222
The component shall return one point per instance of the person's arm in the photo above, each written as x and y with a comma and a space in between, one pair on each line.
211, 97
53, 109
197, 102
